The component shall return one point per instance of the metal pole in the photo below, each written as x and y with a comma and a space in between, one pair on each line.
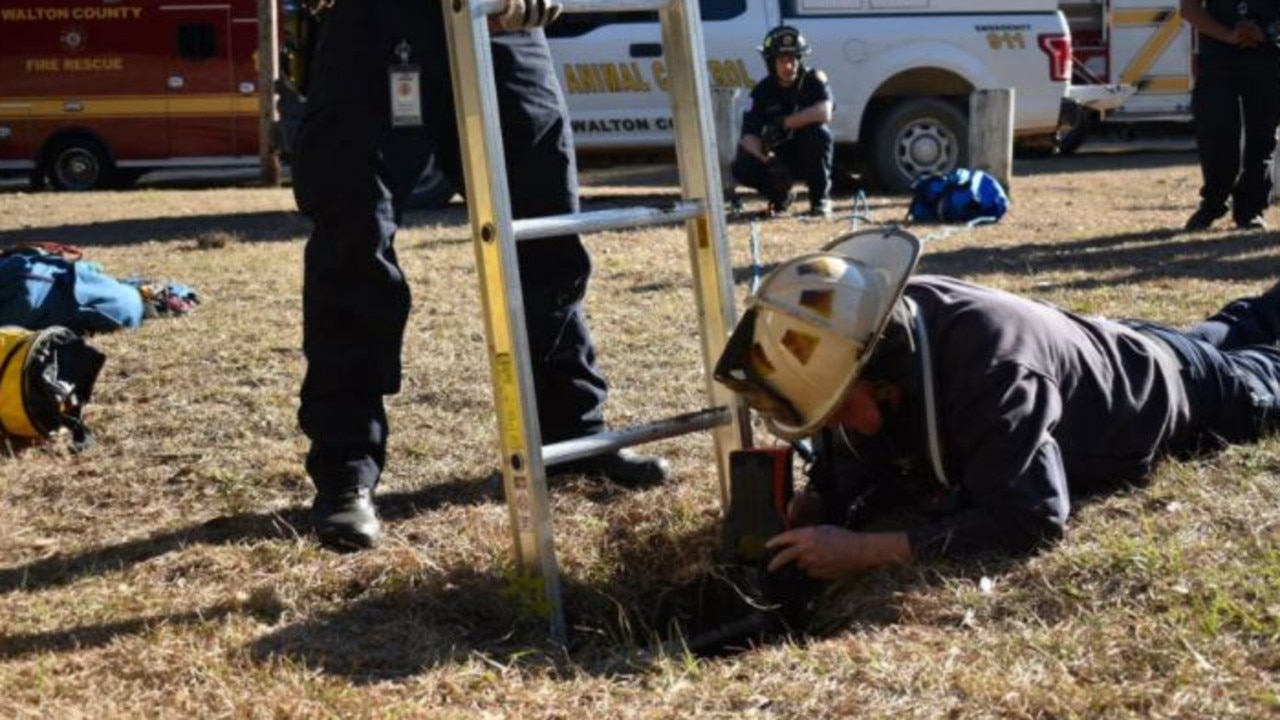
268, 70
991, 133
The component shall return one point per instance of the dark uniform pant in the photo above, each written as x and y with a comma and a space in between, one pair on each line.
1231, 372
353, 172
1234, 94
807, 156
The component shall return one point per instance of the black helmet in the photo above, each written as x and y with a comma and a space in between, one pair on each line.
784, 40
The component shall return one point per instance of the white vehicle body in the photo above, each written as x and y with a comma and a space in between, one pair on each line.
900, 71
1142, 43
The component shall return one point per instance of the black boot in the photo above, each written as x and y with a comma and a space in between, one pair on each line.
346, 521
1204, 217
622, 467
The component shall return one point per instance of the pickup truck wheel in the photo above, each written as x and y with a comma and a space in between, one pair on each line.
916, 136
79, 164
1071, 138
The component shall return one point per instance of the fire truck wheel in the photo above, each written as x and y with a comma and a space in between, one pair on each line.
918, 135
126, 178
79, 163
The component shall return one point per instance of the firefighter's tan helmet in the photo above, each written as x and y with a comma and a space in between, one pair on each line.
812, 325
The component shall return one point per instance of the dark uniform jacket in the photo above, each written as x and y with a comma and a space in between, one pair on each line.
770, 102
1266, 13
1034, 404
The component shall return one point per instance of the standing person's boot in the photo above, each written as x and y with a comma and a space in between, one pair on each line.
1251, 223
820, 208
1204, 217
346, 520
623, 467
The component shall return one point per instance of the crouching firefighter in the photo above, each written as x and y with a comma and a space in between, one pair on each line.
785, 135
984, 411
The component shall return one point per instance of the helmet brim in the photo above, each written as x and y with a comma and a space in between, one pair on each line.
893, 253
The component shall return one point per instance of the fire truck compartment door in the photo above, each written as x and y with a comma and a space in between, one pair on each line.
201, 89
1150, 48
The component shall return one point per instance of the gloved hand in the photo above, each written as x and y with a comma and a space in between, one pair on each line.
774, 134
525, 14
780, 176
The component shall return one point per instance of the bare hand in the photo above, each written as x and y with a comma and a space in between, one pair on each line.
1247, 34
806, 508
827, 552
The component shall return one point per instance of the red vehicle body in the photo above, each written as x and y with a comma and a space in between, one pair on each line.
94, 93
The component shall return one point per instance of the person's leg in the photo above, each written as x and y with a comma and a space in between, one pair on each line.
1260, 96
554, 272
756, 174
355, 299
1243, 322
1250, 378
813, 155
1216, 107
1233, 396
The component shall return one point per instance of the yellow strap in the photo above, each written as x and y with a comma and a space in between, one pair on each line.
13, 411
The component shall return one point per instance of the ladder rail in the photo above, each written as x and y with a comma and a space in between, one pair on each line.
489, 207
495, 234
699, 164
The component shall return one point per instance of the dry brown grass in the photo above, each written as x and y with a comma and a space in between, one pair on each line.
167, 573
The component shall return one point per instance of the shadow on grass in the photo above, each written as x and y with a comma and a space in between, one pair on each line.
62, 570
622, 624
256, 227
665, 598
14, 646
1148, 255
1104, 161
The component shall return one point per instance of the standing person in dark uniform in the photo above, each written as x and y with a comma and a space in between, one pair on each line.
784, 132
983, 411
1238, 87
359, 155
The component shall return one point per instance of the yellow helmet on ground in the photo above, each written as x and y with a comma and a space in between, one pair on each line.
812, 325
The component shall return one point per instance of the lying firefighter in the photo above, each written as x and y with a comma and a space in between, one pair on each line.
986, 411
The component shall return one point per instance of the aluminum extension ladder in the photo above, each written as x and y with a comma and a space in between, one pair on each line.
524, 460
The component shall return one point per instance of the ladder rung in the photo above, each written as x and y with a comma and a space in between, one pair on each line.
493, 7
597, 220
610, 440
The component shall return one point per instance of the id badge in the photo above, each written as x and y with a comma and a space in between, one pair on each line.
406, 96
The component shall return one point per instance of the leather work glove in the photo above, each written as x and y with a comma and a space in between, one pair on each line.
525, 14
774, 134
780, 176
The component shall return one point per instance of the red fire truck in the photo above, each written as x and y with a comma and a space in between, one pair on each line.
94, 93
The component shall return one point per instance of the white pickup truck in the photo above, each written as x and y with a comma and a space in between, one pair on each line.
901, 71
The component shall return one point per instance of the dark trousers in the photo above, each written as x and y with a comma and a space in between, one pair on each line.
807, 156
353, 173
1234, 95
1231, 372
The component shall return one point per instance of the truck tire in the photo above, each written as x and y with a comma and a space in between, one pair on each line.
915, 136
79, 163
1071, 138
